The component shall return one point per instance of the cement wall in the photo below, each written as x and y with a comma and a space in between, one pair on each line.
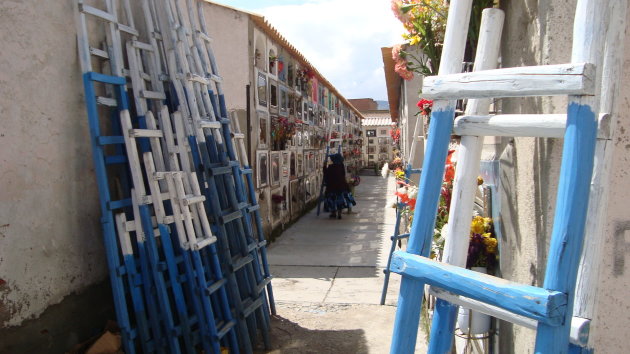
50, 237
230, 29
613, 306
540, 32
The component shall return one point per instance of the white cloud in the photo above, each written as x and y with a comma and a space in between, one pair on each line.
342, 39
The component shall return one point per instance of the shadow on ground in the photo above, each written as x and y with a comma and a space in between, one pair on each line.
289, 337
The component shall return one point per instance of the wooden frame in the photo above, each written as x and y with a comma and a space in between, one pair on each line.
263, 129
284, 171
274, 164
274, 97
292, 165
283, 102
261, 89
262, 168
311, 161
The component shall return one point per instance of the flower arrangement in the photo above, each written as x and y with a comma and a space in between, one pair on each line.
482, 249
401, 66
407, 193
304, 75
444, 206
425, 25
277, 198
425, 106
281, 131
272, 61
395, 134
396, 164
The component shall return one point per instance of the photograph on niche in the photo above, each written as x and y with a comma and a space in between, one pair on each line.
275, 168
262, 168
261, 85
263, 129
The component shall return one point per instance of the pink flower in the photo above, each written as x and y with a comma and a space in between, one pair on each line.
396, 52
397, 10
401, 69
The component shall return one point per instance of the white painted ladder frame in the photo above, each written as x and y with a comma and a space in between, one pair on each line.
467, 170
475, 124
411, 290
573, 193
186, 71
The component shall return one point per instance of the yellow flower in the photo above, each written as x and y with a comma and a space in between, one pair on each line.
414, 40
477, 225
487, 223
490, 243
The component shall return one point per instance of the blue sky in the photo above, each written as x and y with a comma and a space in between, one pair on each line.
341, 38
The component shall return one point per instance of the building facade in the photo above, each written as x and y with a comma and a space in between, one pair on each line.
290, 110
378, 143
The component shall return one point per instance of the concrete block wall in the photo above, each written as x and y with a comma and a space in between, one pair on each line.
50, 237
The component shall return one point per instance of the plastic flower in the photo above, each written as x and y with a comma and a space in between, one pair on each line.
449, 173
412, 192
397, 10
476, 226
396, 52
385, 170
487, 223
490, 243
425, 106
401, 69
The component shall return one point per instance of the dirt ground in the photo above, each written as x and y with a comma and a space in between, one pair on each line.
331, 328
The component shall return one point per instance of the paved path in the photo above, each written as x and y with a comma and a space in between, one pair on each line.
328, 279
324, 260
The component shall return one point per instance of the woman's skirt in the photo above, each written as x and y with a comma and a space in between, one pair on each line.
338, 201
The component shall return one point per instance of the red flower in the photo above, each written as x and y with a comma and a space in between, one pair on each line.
425, 106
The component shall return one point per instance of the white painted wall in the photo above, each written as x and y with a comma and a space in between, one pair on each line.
50, 237
230, 31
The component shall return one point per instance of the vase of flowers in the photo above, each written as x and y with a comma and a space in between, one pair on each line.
482, 258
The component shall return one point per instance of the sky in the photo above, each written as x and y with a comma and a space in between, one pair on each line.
341, 38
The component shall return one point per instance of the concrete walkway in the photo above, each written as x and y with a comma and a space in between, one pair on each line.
328, 276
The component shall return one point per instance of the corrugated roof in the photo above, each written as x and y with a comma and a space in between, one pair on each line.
377, 120
273, 33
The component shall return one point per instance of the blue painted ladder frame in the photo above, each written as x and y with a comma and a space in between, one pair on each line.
215, 324
551, 305
146, 326
396, 237
234, 267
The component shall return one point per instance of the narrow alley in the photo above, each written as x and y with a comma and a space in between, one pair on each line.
162, 196
328, 277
